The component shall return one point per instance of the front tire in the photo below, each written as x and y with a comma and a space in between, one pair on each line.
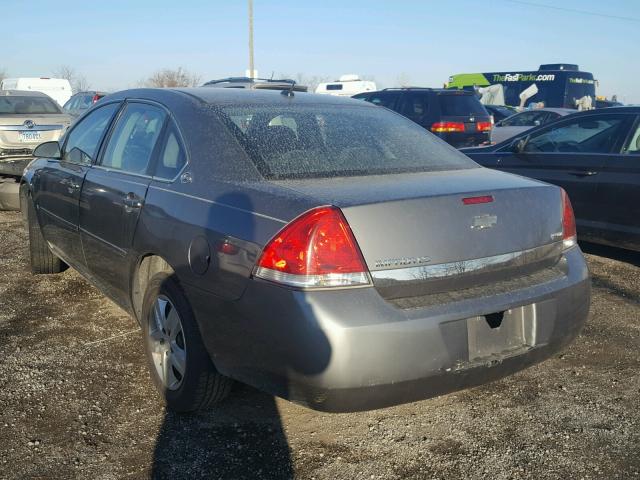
42, 261
179, 363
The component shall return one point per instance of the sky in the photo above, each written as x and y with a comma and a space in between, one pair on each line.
117, 44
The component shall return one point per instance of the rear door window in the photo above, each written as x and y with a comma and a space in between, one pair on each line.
83, 141
460, 105
591, 134
134, 138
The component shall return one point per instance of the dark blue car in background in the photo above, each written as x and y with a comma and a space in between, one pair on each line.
595, 156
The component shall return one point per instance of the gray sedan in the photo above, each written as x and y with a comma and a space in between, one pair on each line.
523, 121
318, 248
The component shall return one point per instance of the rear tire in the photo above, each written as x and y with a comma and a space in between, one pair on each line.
179, 363
42, 261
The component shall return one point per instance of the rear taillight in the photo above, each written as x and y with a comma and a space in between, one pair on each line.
441, 127
569, 237
483, 126
317, 249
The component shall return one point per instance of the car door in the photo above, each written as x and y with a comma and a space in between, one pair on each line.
59, 183
570, 154
618, 194
113, 194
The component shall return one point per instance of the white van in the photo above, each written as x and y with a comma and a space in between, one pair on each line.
57, 88
346, 86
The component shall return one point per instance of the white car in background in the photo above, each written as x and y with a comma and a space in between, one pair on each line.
346, 86
523, 121
57, 88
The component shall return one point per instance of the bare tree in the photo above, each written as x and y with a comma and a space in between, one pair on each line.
310, 81
168, 77
79, 82
3, 74
65, 71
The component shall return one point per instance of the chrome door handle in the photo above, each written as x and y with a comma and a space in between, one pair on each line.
131, 201
583, 174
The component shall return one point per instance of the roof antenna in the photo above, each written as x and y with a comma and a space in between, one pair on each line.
289, 92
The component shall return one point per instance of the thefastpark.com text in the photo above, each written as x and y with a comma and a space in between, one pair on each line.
524, 77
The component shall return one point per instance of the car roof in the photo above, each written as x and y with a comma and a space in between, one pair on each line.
446, 91
22, 93
235, 96
91, 92
561, 111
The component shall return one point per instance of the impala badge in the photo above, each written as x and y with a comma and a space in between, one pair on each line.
484, 221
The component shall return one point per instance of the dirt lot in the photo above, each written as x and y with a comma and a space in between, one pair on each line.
76, 401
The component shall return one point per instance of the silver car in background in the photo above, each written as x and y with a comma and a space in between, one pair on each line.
523, 121
27, 119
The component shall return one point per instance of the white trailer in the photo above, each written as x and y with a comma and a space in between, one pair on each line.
57, 88
346, 86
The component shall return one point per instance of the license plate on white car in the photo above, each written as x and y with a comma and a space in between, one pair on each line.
29, 137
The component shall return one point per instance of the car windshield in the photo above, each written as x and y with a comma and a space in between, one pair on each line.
312, 141
27, 105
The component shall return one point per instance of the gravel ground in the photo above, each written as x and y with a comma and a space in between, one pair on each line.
76, 401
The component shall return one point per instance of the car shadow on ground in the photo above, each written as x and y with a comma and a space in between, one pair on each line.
619, 254
241, 438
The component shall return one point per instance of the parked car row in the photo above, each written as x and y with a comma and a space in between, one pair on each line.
321, 249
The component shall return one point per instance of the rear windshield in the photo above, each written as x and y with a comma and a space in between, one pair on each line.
27, 105
460, 105
313, 141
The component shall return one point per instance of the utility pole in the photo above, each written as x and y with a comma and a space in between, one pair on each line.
251, 69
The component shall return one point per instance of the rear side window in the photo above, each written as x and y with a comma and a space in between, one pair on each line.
634, 143
172, 157
460, 105
83, 141
415, 105
134, 138
27, 105
85, 101
314, 141
334, 86
383, 99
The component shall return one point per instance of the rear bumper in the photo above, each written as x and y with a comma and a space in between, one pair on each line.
461, 140
350, 350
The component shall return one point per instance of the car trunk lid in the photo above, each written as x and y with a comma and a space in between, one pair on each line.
20, 134
418, 235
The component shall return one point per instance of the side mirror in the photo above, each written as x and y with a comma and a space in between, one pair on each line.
518, 145
537, 123
48, 150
